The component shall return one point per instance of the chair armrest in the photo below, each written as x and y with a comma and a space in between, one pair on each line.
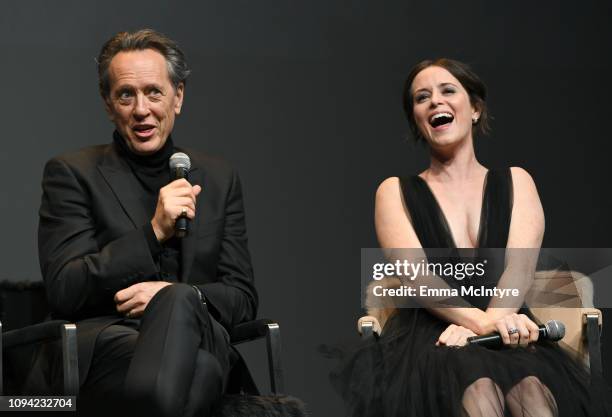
40, 332
250, 330
257, 329
368, 326
592, 321
47, 331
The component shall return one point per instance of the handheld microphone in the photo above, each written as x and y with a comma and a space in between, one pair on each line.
553, 330
179, 168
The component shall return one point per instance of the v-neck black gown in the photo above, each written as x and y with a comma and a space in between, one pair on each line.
404, 373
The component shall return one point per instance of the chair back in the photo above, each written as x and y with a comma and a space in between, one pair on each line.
22, 304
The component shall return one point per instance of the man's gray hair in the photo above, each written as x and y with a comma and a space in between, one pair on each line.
138, 41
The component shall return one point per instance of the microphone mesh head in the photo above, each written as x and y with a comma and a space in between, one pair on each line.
180, 160
555, 330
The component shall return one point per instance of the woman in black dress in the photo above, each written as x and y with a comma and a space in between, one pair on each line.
421, 365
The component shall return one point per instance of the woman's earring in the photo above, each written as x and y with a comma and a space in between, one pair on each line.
474, 120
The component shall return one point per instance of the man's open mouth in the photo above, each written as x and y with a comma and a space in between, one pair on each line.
143, 129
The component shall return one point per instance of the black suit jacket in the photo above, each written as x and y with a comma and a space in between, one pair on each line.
92, 243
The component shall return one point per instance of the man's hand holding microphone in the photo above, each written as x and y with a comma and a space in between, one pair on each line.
176, 204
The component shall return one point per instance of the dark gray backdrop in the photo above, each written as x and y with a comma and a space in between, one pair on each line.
304, 99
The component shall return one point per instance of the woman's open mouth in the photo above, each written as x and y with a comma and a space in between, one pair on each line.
441, 120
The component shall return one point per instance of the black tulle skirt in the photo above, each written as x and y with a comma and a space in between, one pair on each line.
403, 373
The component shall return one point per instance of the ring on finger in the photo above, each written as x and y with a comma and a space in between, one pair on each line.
184, 212
513, 330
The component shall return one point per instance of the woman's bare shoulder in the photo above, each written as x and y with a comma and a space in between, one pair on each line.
392, 220
389, 194
520, 177
388, 186
523, 184
528, 223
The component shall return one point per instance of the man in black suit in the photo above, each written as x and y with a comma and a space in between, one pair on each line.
109, 255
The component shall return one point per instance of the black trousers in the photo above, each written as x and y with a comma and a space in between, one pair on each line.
172, 362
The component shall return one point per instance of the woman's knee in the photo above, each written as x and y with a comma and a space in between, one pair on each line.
533, 395
483, 386
483, 397
529, 387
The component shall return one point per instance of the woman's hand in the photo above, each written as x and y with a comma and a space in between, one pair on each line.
454, 335
517, 330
